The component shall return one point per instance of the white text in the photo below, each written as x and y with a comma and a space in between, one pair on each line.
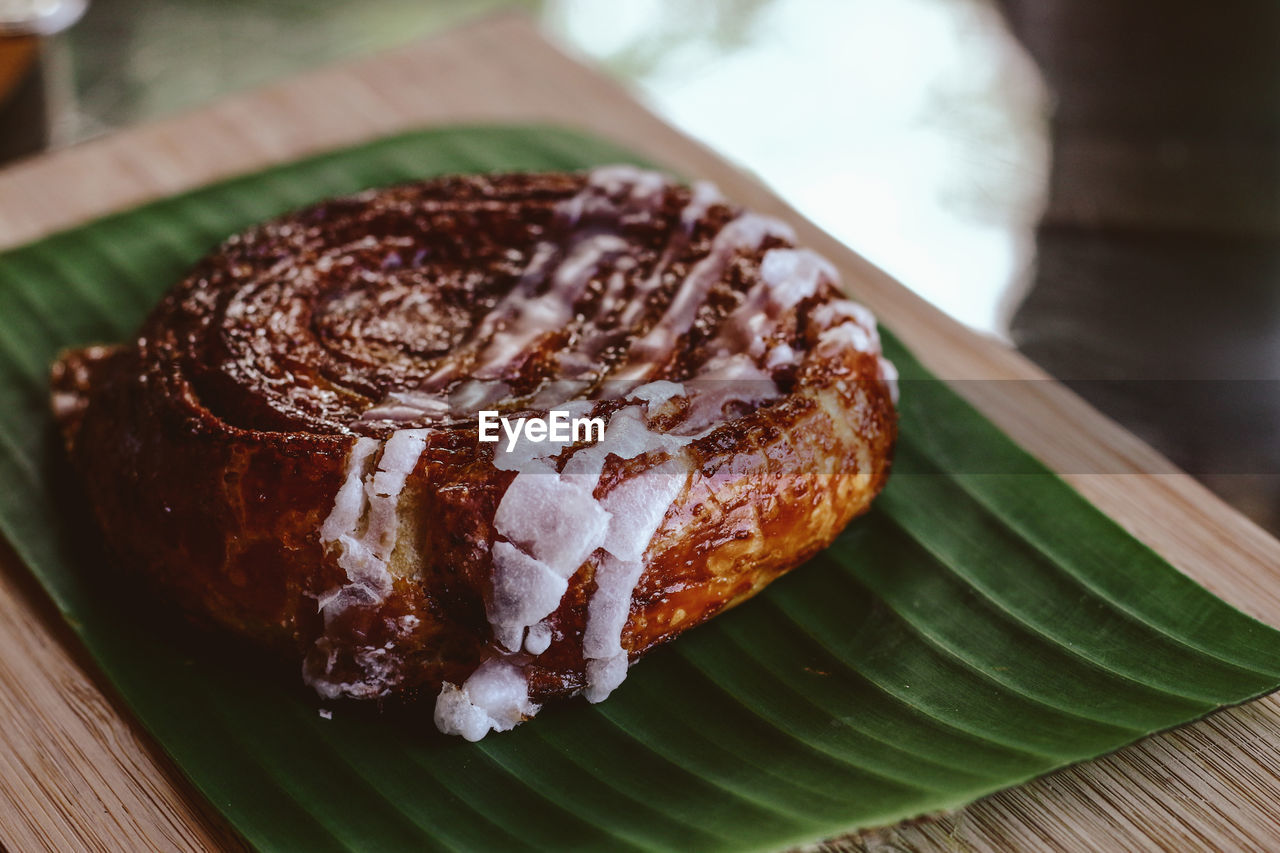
557, 427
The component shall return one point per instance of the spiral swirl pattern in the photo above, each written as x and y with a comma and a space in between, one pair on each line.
300, 414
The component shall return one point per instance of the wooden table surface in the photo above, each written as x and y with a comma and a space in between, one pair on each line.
76, 772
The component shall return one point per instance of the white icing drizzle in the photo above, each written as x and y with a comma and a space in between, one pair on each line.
780, 355
846, 335
370, 553
614, 195
552, 521
659, 392
641, 189
733, 374
594, 340
534, 274
538, 639
494, 698
726, 379
553, 518
839, 311
792, 275
530, 319
606, 660
349, 502
525, 591
636, 506
705, 194
404, 406
743, 234
549, 522
847, 324
552, 525
371, 496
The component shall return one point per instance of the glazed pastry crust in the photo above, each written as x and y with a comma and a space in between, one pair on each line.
213, 478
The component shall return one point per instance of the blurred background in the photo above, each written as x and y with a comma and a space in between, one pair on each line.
1097, 182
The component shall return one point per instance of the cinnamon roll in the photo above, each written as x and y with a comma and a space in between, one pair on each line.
299, 446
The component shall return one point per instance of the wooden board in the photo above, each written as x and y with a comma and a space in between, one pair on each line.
76, 772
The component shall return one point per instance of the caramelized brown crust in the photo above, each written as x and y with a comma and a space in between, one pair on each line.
213, 447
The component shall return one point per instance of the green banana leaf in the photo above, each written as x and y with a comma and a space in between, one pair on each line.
973, 631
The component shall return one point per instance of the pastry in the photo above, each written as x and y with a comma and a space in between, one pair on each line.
486, 439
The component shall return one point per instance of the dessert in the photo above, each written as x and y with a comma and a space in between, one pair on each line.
352, 436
